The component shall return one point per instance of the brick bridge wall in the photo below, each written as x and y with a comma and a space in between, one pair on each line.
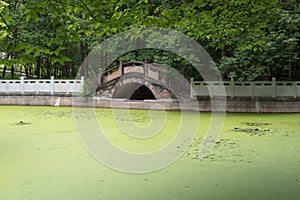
126, 86
126, 79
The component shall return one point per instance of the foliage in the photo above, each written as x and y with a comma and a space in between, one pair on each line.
279, 54
3, 33
249, 40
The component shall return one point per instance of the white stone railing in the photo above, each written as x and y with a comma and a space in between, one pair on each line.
41, 86
273, 89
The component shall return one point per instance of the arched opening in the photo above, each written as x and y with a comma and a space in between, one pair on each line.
142, 93
133, 91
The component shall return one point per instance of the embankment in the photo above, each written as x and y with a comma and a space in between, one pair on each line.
247, 105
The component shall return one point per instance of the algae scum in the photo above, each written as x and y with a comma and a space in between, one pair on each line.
256, 157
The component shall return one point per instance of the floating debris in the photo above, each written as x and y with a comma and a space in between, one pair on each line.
225, 150
256, 124
248, 130
254, 128
21, 123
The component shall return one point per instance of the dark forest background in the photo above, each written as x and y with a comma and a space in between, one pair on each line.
248, 39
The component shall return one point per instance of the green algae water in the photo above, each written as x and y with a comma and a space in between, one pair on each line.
42, 157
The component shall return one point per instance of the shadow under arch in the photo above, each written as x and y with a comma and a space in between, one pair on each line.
134, 91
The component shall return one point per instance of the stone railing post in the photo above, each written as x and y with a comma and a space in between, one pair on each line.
7, 87
37, 86
295, 89
232, 87
52, 85
68, 86
81, 83
121, 67
145, 66
22, 84
274, 87
192, 93
252, 89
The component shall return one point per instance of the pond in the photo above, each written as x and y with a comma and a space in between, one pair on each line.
42, 157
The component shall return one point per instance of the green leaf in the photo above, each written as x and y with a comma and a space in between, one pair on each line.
48, 43
47, 51
65, 58
53, 61
27, 18
26, 12
35, 16
29, 50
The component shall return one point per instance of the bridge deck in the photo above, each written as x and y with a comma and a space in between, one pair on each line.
154, 77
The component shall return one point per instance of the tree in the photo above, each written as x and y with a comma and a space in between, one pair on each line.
40, 41
279, 53
249, 40
3, 33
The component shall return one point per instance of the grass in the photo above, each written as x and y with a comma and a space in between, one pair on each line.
45, 159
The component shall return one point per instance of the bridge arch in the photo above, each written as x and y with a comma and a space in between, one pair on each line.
131, 84
140, 81
134, 91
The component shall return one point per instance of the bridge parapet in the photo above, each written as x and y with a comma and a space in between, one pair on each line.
167, 78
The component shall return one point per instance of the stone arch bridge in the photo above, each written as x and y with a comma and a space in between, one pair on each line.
139, 81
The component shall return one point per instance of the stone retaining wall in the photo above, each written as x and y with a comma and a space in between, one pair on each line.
233, 105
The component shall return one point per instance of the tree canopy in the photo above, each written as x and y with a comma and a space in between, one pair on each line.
249, 40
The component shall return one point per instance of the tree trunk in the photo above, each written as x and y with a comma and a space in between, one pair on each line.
26, 71
12, 72
55, 71
290, 70
224, 51
4, 72
47, 65
38, 67
82, 52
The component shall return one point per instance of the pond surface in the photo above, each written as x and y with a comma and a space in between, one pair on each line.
42, 157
